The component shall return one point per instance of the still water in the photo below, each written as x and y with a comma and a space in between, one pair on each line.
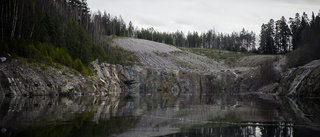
128, 115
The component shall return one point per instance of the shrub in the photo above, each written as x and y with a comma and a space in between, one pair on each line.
14, 55
22, 62
48, 54
49, 61
64, 72
58, 66
43, 67
78, 65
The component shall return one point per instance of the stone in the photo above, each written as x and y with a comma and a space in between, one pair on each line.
272, 88
3, 130
3, 59
66, 88
237, 71
301, 81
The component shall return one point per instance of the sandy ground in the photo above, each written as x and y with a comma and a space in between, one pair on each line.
158, 55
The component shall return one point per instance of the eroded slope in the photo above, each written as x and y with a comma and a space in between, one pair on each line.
158, 55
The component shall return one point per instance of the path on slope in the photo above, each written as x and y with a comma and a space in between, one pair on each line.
158, 55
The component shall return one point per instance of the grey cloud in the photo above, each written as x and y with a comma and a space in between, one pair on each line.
201, 15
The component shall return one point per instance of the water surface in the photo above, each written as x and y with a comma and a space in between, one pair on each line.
146, 114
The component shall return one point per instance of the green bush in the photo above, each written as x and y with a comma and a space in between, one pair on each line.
58, 66
78, 65
64, 72
49, 61
44, 53
44, 67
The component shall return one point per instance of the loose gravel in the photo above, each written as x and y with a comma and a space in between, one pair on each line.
158, 55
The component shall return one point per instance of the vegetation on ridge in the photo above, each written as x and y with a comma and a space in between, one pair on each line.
54, 31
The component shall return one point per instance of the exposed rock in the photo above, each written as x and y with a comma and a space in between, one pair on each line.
272, 88
3, 59
302, 81
182, 83
169, 72
19, 78
163, 83
66, 89
29, 80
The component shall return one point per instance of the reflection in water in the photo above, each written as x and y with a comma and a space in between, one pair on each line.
159, 115
280, 129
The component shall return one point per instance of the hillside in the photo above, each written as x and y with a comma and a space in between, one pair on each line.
158, 55
161, 67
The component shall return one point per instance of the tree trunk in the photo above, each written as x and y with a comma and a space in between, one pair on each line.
2, 19
35, 20
32, 30
21, 19
15, 18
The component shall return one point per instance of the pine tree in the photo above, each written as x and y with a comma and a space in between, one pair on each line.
282, 36
295, 25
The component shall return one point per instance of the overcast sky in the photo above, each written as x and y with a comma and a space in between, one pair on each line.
225, 16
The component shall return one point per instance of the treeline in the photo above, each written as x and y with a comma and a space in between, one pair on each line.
113, 25
276, 37
283, 36
65, 25
237, 41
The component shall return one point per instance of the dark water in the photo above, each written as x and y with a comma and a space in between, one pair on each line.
245, 115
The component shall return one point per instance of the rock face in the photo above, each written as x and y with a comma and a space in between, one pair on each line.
302, 81
23, 79
160, 83
18, 78
164, 71
120, 81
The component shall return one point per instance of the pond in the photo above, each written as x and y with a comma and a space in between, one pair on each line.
246, 115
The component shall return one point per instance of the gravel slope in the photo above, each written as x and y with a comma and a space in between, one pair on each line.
158, 55
140, 45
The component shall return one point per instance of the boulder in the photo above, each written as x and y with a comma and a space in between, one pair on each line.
3, 59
